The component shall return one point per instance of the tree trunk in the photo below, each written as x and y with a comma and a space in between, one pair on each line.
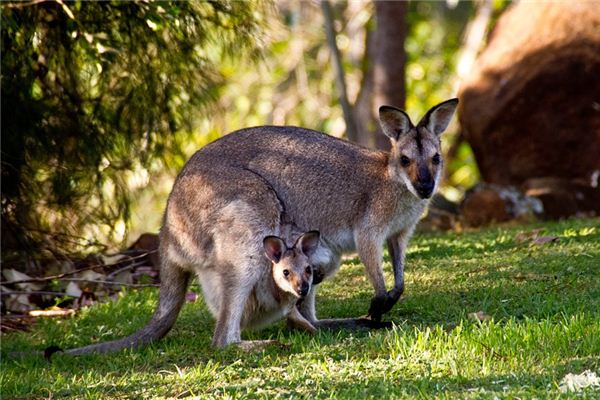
340, 78
384, 80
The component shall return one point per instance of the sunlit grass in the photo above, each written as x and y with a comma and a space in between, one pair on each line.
543, 302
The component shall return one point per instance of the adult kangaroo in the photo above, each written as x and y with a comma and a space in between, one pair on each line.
358, 199
260, 181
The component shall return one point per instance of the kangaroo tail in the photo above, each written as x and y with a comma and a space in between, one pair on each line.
173, 286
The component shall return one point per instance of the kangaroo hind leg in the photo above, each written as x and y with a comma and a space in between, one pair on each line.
235, 291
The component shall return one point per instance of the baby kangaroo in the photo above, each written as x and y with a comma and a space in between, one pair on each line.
289, 281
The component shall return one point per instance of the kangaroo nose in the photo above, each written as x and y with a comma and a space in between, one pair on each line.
304, 289
424, 189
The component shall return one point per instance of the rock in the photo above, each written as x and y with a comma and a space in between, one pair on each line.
147, 243
531, 106
442, 215
488, 203
564, 197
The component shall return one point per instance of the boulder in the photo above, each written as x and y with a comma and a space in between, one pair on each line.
531, 107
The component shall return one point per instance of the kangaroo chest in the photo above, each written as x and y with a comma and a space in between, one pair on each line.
406, 216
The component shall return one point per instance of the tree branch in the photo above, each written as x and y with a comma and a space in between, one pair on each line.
60, 276
339, 71
473, 40
23, 4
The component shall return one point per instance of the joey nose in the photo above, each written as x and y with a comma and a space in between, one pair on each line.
424, 189
304, 289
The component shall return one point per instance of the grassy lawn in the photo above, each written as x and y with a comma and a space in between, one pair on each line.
541, 312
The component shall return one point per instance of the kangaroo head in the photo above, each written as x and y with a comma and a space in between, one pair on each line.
415, 157
291, 270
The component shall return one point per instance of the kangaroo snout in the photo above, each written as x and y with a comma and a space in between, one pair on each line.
424, 189
303, 289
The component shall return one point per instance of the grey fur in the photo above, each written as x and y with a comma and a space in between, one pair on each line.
258, 182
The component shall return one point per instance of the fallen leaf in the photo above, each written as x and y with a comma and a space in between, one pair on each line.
527, 236
123, 277
534, 237
73, 289
18, 303
91, 276
480, 316
578, 382
12, 275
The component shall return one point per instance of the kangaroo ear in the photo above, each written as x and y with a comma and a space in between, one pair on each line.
394, 122
308, 242
438, 117
274, 248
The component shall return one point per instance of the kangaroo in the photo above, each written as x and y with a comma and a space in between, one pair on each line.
359, 199
242, 185
273, 295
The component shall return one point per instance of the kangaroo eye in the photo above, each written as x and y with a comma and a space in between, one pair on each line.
286, 272
436, 159
405, 161
308, 270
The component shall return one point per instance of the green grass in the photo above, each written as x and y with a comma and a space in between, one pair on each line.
544, 302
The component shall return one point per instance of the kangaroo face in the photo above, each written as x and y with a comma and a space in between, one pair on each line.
418, 161
291, 268
293, 274
415, 158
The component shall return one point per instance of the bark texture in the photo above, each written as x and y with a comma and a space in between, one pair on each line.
384, 82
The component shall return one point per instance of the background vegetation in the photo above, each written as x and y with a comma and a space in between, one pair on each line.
97, 94
102, 103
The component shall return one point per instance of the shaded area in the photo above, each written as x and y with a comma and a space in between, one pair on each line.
531, 108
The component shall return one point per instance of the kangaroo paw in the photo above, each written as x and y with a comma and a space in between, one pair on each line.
382, 304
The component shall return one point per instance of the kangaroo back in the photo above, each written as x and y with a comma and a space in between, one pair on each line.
323, 182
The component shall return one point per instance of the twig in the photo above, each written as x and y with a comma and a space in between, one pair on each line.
60, 276
17, 316
23, 4
11, 292
128, 267
111, 282
67, 237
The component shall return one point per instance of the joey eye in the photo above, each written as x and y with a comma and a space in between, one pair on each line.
436, 160
308, 270
404, 161
286, 272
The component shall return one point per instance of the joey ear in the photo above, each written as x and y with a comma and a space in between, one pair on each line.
394, 122
308, 242
438, 117
274, 248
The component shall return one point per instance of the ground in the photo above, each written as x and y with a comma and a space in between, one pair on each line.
504, 312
